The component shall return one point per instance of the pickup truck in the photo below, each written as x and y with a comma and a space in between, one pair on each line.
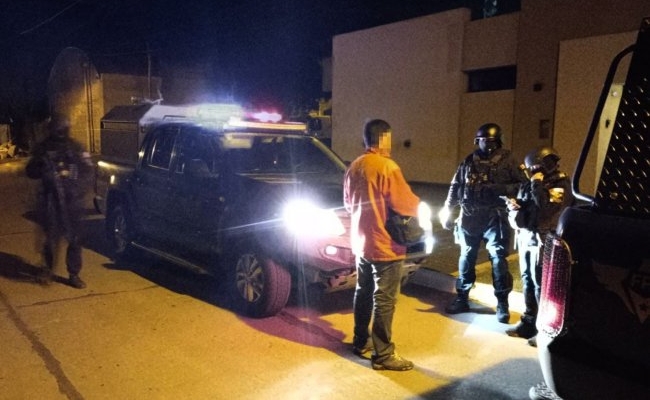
255, 202
593, 327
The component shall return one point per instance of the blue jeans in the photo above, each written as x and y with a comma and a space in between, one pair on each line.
530, 266
378, 284
497, 241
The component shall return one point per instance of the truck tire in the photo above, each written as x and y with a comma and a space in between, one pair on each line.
119, 230
260, 286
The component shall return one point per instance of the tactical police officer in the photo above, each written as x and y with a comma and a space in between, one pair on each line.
62, 166
533, 214
482, 177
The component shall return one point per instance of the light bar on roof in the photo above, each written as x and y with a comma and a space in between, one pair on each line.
235, 122
264, 116
216, 111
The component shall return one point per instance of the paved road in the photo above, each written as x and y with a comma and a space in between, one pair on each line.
151, 330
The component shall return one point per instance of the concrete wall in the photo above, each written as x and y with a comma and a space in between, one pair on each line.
77, 90
582, 68
543, 25
412, 73
408, 73
479, 108
74, 90
120, 89
491, 42
499, 35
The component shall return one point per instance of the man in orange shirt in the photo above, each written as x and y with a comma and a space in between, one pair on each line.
374, 183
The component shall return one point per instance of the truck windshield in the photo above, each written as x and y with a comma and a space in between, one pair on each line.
260, 154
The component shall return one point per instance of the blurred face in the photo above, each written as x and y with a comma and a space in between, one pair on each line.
62, 132
60, 129
385, 142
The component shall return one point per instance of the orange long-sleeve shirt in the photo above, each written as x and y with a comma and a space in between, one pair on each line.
372, 184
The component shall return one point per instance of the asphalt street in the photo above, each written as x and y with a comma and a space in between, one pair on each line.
150, 330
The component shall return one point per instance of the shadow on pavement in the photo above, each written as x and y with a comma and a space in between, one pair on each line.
15, 268
509, 380
439, 299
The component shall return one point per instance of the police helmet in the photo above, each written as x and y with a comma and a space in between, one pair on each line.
489, 131
544, 159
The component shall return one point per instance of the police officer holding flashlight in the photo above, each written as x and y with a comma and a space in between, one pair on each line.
484, 176
534, 213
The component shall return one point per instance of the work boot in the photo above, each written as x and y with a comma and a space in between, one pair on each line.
459, 305
392, 363
363, 349
524, 330
533, 341
503, 314
76, 282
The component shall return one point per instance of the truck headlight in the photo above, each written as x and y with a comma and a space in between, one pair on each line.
303, 218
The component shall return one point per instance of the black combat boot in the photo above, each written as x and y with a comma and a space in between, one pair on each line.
503, 314
76, 282
524, 329
459, 305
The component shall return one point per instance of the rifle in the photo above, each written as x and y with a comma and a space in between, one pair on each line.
53, 180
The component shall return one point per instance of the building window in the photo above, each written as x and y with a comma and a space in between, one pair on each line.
491, 79
545, 129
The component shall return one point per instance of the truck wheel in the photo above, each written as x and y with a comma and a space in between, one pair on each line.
260, 286
119, 230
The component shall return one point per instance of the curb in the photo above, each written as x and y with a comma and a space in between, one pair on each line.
481, 293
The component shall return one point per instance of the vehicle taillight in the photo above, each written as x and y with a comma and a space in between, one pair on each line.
556, 277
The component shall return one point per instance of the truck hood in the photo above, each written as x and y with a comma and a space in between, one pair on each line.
326, 190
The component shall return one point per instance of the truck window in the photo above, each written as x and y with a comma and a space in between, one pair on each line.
193, 147
279, 154
161, 149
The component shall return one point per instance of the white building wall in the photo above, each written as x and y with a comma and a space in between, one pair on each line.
543, 25
491, 42
479, 108
412, 73
408, 73
488, 43
582, 68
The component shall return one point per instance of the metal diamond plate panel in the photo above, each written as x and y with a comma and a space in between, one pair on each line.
624, 185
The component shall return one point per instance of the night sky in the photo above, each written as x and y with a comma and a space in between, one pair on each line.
256, 49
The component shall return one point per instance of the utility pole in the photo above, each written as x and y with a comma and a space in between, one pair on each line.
148, 71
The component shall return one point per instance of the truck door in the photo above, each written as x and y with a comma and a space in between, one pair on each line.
198, 201
151, 186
